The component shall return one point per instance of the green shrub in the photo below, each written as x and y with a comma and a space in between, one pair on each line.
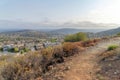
112, 47
53, 40
16, 49
26, 49
118, 34
11, 50
1, 49
22, 51
76, 37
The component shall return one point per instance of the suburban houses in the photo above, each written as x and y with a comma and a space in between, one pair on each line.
30, 45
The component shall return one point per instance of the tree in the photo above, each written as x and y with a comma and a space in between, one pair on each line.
1, 49
118, 34
53, 40
76, 37
22, 51
26, 49
16, 49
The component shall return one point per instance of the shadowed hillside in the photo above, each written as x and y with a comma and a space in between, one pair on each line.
109, 32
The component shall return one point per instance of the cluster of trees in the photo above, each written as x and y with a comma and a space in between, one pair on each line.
118, 34
24, 50
76, 37
53, 40
16, 49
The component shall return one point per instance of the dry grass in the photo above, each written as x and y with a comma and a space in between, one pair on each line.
32, 66
109, 65
23, 68
110, 53
70, 49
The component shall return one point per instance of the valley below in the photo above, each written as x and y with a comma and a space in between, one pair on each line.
79, 56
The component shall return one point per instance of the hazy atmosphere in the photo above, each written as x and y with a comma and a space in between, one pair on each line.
59, 39
42, 14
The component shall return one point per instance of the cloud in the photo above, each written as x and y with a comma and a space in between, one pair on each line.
5, 24
89, 25
108, 11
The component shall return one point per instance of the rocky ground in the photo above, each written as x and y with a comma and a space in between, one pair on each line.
87, 65
110, 65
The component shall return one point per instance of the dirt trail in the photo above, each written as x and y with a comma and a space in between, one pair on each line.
83, 66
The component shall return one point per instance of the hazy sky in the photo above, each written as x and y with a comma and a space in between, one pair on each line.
101, 11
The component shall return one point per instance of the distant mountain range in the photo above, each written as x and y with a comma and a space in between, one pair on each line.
62, 31
25, 33
44, 29
72, 31
109, 32
43, 33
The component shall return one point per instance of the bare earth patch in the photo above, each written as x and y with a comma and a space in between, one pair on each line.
83, 66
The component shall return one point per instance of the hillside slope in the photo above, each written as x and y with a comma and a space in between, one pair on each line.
26, 33
82, 66
109, 32
73, 31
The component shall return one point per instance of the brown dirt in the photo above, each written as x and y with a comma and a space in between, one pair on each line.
82, 66
110, 65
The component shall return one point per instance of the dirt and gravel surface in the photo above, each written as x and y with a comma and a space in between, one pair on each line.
82, 66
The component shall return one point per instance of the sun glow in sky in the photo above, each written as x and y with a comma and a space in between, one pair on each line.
100, 11
107, 11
